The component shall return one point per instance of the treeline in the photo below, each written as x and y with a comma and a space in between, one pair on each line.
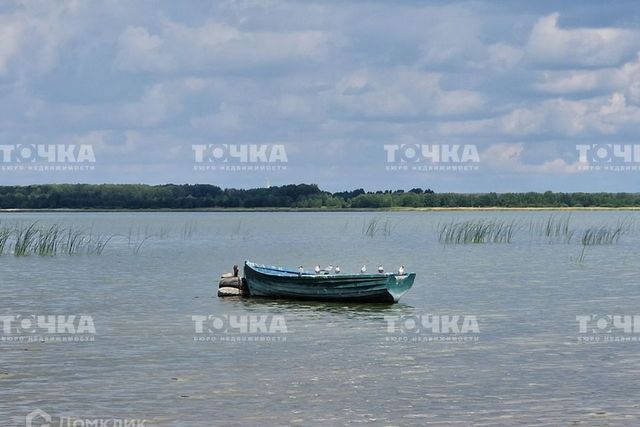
134, 196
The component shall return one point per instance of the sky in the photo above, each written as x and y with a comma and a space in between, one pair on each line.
452, 96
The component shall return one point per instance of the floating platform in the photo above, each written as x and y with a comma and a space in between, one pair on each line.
232, 285
226, 291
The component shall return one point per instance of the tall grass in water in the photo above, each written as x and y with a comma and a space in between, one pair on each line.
74, 242
25, 238
477, 231
187, 231
47, 241
137, 240
5, 234
138, 246
237, 229
603, 235
376, 226
135, 235
554, 229
50, 240
97, 244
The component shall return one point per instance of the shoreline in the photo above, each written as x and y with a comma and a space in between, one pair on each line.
394, 209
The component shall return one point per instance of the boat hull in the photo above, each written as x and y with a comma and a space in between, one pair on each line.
274, 282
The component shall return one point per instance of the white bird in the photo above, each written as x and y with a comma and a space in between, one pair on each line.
363, 269
337, 269
300, 270
380, 269
317, 269
329, 269
401, 270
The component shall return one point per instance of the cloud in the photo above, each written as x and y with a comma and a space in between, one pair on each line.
464, 47
442, 47
214, 47
503, 56
32, 35
140, 50
625, 78
566, 82
400, 94
226, 119
505, 157
560, 117
551, 45
132, 147
146, 85
163, 101
11, 33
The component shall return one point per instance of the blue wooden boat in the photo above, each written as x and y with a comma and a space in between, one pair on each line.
275, 282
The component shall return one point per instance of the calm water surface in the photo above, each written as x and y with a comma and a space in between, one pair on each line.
338, 363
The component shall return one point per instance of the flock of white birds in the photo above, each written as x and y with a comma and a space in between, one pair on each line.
336, 270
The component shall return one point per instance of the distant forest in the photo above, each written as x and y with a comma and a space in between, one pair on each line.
170, 196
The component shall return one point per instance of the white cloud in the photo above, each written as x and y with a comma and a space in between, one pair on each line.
454, 37
226, 119
561, 117
503, 56
213, 46
401, 94
33, 34
327, 78
157, 105
163, 101
138, 48
565, 82
293, 106
508, 157
552, 45
133, 146
625, 78
11, 33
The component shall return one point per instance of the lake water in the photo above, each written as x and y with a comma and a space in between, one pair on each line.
522, 358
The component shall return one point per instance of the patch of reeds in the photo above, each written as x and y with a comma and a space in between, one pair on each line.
477, 231
187, 230
35, 239
603, 235
47, 241
139, 233
236, 231
25, 238
553, 226
97, 244
5, 234
377, 226
137, 247
73, 242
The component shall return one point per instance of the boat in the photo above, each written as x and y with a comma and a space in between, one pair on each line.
276, 282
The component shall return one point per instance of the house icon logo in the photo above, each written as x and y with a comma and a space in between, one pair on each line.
38, 418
